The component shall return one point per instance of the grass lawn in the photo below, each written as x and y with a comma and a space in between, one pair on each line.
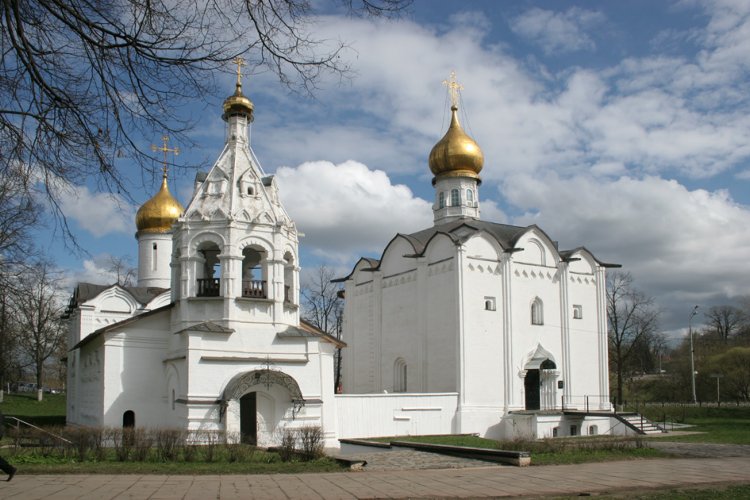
550, 451
727, 424
48, 412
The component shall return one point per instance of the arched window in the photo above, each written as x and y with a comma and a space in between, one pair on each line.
455, 197
288, 278
209, 278
128, 419
537, 312
593, 430
254, 280
469, 196
154, 260
399, 375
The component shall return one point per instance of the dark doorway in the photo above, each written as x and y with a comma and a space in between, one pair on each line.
128, 419
531, 389
249, 419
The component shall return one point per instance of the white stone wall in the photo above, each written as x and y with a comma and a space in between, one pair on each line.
371, 415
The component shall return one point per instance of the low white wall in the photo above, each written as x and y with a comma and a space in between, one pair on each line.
372, 415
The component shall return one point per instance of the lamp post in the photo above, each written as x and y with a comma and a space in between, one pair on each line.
692, 351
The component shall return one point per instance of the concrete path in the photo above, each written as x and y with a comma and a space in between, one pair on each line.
474, 482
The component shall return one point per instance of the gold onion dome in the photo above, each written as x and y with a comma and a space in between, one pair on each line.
238, 103
159, 213
456, 154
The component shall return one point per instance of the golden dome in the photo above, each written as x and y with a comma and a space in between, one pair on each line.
238, 103
159, 213
456, 154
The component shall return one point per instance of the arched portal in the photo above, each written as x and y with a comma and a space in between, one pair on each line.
257, 404
540, 391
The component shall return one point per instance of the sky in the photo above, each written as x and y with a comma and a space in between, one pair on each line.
620, 126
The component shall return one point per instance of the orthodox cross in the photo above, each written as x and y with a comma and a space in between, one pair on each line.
240, 62
165, 149
453, 88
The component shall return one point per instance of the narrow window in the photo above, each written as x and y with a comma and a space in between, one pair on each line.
593, 430
399, 375
153, 257
441, 200
555, 431
173, 399
455, 197
537, 312
573, 430
470, 197
489, 303
577, 312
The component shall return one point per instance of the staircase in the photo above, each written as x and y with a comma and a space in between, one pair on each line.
639, 423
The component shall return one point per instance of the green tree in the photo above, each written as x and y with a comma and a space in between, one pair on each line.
734, 365
633, 323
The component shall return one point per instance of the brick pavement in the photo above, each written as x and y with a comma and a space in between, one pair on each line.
493, 481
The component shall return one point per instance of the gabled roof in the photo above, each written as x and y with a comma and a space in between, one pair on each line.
206, 327
101, 331
307, 329
87, 291
461, 229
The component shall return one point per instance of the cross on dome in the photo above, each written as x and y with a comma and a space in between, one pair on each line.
240, 62
165, 149
453, 88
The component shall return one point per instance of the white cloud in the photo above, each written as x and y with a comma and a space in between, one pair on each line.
558, 32
682, 246
348, 209
97, 213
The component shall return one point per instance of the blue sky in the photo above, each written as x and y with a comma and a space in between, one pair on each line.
621, 126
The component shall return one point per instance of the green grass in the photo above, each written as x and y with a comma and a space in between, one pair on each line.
171, 468
551, 451
727, 424
48, 412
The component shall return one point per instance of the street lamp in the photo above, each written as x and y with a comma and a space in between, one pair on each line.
692, 351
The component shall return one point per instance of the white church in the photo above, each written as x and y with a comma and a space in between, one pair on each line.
467, 326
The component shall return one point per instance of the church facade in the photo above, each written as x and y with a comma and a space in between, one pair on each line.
496, 314
468, 326
211, 338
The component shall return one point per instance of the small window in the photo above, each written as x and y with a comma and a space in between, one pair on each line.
577, 312
399, 375
537, 312
470, 196
489, 303
250, 191
455, 198
593, 430
573, 430
173, 399
555, 431
441, 200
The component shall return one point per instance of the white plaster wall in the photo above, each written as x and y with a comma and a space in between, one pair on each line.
135, 375
154, 265
371, 415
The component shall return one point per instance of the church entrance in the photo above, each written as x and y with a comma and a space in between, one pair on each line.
249, 418
539, 385
531, 389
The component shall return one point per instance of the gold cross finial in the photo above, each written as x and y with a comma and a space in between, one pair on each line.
240, 62
165, 149
453, 88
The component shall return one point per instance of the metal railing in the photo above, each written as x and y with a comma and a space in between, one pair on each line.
208, 287
19, 423
254, 289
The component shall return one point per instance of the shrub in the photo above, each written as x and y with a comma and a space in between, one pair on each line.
210, 440
142, 442
310, 442
122, 442
287, 447
168, 443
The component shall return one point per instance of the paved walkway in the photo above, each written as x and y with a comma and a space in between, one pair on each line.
475, 482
